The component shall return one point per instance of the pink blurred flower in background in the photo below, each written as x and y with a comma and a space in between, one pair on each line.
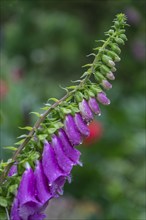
133, 15
138, 49
3, 89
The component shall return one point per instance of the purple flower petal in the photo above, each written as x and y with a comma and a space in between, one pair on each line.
101, 97
81, 125
63, 161
27, 188
106, 84
71, 131
94, 105
37, 216
26, 195
13, 170
42, 188
68, 149
14, 215
85, 111
53, 172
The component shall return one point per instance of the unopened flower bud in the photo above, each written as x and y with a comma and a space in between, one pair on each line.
110, 76
107, 60
68, 149
94, 106
85, 111
119, 40
101, 97
115, 48
72, 131
106, 84
81, 125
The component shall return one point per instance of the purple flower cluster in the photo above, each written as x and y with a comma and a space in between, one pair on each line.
59, 156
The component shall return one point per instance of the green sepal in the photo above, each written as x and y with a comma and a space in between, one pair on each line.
104, 69
113, 55
79, 96
95, 89
98, 76
106, 59
65, 110
113, 69
43, 136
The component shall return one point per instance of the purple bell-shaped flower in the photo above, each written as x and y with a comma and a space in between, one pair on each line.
72, 131
63, 161
55, 175
101, 97
14, 215
81, 125
94, 105
68, 149
85, 111
42, 187
28, 204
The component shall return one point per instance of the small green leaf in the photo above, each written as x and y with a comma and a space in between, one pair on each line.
88, 65
19, 142
51, 130
45, 108
10, 148
58, 125
36, 113
3, 201
22, 136
71, 87
66, 111
12, 188
84, 74
53, 99
42, 137
28, 128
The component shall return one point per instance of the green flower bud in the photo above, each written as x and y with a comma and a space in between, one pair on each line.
104, 69
89, 93
117, 24
114, 56
107, 60
119, 40
113, 69
121, 31
98, 76
115, 48
79, 96
111, 31
123, 37
95, 89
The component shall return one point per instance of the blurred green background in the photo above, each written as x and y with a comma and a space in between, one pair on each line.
43, 45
